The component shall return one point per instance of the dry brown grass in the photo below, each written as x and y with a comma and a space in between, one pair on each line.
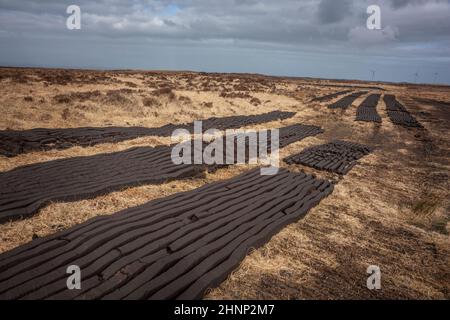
391, 210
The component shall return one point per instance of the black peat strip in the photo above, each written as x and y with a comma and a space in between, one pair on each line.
13, 143
367, 110
170, 248
398, 113
25, 189
348, 86
346, 101
337, 156
330, 96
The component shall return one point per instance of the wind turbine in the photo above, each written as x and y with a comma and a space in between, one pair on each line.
435, 77
416, 75
373, 74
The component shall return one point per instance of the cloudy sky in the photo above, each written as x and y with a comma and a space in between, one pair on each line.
315, 38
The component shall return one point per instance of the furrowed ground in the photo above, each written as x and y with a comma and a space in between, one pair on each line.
392, 209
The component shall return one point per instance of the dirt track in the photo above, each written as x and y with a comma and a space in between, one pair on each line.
391, 210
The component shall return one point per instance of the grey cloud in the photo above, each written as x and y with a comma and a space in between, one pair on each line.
399, 3
396, 4
332, 11
412, 29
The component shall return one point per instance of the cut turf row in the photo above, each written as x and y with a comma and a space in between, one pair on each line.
13, 143
24, 190
337, 156
346, 101
330, 96
170, 248
353, 87
367, 110
398, 113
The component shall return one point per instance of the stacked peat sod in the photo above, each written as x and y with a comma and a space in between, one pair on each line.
337, 156
367, 110
25, 189
346, 101
171, 248
330, 96
398, 113
14, 142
